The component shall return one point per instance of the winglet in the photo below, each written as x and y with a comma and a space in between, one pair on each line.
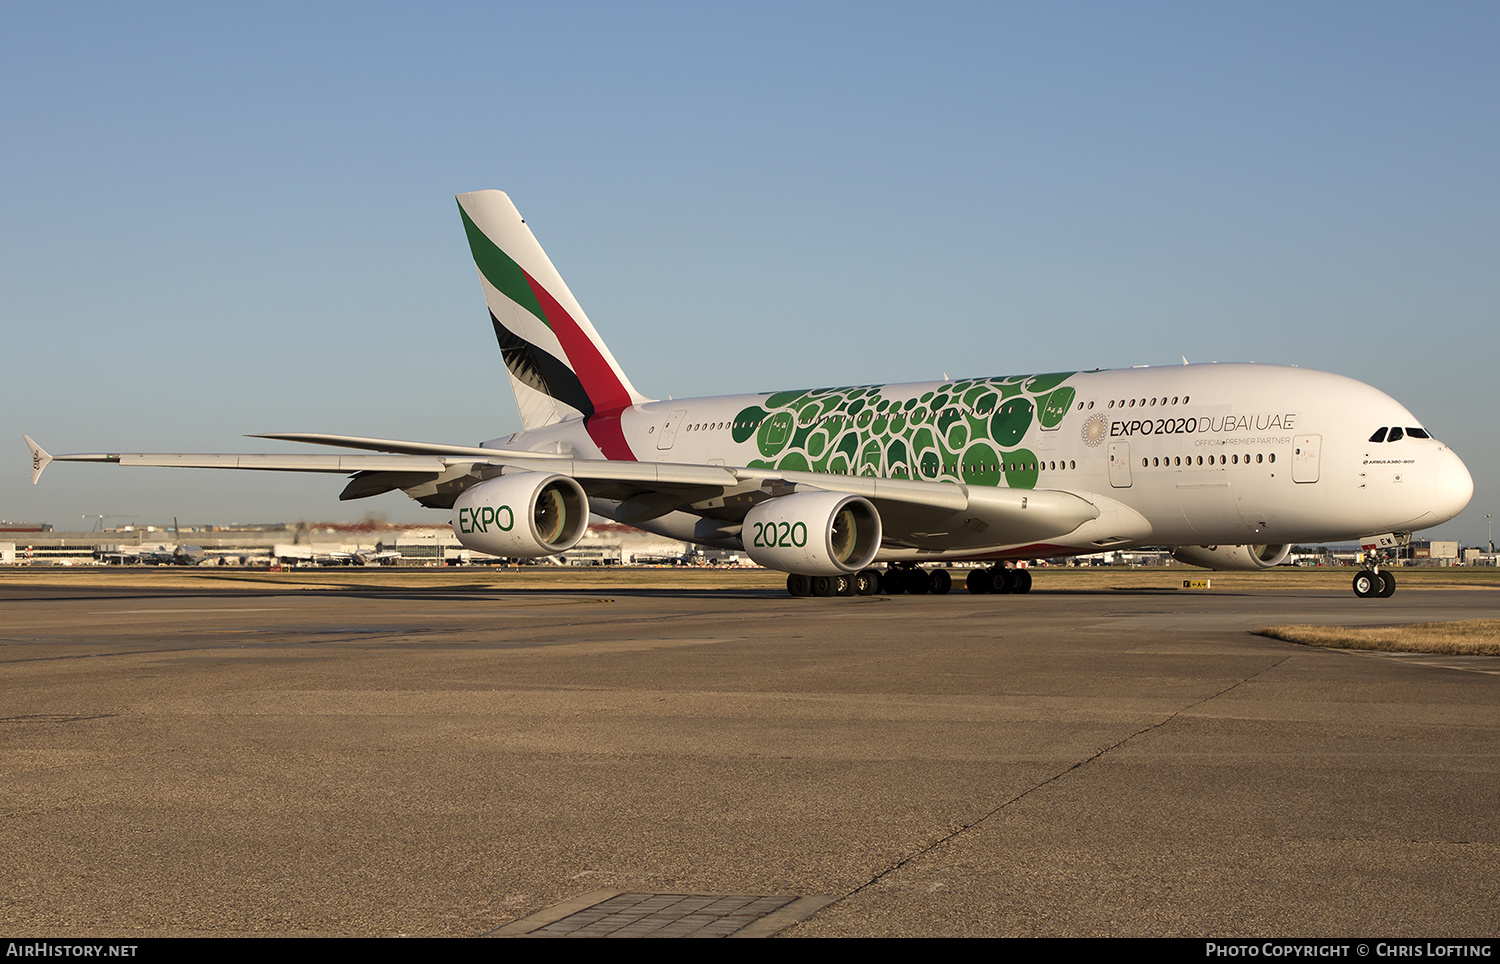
39, 458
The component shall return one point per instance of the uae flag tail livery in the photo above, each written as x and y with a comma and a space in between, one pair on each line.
559, 366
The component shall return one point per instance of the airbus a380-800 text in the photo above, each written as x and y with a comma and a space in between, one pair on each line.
1228, 465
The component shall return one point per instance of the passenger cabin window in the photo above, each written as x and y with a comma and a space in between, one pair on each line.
1379, 435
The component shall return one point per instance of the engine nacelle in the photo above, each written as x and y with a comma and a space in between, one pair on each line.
1241, 558
813, 533
524, 515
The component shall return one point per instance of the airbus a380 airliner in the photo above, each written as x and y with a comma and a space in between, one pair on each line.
1227, 464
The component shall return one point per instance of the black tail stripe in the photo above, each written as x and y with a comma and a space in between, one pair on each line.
541, 370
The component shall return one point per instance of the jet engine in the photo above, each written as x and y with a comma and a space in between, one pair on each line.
813, 533
1242, 558
524, 515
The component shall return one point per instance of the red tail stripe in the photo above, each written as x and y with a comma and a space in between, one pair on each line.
600, 381
605, 391
607, 432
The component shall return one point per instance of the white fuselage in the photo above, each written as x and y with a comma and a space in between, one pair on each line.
1203, 454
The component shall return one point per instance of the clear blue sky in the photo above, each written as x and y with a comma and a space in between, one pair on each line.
228, 219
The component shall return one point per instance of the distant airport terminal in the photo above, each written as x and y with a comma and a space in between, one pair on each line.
605, 544
323, 544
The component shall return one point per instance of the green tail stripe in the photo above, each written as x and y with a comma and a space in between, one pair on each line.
500, 271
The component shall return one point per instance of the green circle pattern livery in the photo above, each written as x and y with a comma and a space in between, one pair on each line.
965, 431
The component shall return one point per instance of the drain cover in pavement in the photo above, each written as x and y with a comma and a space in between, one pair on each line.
609, 913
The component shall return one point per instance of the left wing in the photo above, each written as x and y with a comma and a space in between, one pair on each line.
922, 518
431, 473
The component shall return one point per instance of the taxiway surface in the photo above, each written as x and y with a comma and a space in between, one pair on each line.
436, 762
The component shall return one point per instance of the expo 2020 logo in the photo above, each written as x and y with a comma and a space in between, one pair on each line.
1094, 430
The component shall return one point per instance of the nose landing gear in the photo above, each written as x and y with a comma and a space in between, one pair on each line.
1373, 582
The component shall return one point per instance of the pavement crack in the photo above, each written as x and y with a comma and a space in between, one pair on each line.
965, 828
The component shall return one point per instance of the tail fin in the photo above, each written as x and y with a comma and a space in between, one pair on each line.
559, 366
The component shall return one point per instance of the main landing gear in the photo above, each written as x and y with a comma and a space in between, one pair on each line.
863, 583
998, 579
901, 578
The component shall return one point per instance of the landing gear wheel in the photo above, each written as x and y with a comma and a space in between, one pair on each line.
1387, 585
1022, 580
867, 582
1366, 584
799, 585
1001, 581
940, 582
891, 583
978, 581
824, 586
916, 582
845, 586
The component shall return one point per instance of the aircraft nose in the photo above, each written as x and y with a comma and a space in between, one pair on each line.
1454, 486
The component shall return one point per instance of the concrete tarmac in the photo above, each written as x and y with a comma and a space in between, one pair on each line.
443, 762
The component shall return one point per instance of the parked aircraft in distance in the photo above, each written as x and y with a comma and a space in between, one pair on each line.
158, 555
1228, 465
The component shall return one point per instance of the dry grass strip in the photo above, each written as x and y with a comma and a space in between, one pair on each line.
1472, 637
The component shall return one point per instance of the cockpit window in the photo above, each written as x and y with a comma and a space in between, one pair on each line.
1395, 435
1417, 432
1379, 435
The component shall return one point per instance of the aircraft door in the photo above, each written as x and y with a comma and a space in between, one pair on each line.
1119, 464
669, 430
1305, 457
